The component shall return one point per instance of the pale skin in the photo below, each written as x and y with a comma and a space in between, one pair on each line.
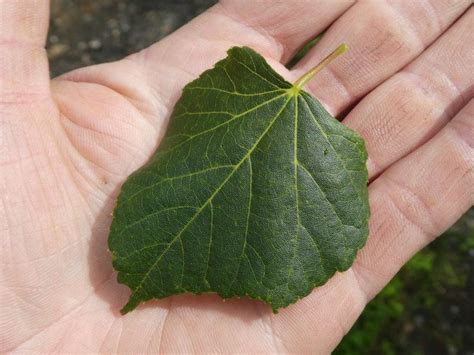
67, 145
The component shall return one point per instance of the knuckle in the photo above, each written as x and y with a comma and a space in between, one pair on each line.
414, 208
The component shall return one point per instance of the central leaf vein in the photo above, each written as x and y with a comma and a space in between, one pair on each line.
178, 235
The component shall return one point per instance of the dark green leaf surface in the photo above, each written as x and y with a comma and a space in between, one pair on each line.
255, 191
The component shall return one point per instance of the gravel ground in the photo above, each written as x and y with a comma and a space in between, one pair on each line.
86, 32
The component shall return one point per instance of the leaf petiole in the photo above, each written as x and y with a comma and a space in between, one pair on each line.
303, 80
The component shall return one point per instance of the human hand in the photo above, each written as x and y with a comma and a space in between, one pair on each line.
67, 145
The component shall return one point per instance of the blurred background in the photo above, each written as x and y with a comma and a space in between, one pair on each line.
428, 308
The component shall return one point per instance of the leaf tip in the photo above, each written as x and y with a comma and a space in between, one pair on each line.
132, 303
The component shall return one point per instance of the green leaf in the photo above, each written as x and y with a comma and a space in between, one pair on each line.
255, 191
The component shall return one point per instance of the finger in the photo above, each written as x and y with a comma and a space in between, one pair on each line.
23, 60
417, 199
276, 29
289, 24
414, 104
383, 37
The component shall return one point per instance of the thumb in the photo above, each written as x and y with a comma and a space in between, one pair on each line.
23, 59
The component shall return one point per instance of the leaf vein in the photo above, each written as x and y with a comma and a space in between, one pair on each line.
172, 178
223, 123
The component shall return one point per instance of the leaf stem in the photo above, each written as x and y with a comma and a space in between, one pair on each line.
303, 80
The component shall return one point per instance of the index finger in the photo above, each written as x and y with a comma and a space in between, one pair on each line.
276, 29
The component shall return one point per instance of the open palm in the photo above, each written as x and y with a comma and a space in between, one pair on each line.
67, 145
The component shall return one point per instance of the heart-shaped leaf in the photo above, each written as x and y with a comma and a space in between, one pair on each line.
255, 191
